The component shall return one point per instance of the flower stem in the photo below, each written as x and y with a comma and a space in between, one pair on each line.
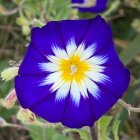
93, 133
128, 106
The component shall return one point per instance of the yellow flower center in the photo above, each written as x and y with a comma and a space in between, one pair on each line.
74, 69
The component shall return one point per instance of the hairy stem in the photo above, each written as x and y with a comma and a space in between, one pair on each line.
128, 106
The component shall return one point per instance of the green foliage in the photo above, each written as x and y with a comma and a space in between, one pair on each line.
102, 126
115, 129
83, 133
42, 133
133, 49
130, 98
107, 127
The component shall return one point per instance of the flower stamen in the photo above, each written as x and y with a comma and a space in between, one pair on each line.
73, 69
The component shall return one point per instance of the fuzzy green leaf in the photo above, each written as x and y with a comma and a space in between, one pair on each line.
102, 125
131, 51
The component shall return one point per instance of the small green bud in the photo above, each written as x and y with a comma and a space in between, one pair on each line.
37, 23
9, 73
26, 116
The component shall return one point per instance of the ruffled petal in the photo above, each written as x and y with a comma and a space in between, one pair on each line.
50, 109
30, 63
71, 30
60, 33
78, 116
99, 32
106, 57
102, 104
29, 91
45, 38
119, 80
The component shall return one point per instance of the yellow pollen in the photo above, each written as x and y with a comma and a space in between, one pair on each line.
73, 69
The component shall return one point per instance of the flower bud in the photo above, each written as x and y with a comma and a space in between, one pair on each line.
10, 99
136, 25
26, 116
9, 73
37, 23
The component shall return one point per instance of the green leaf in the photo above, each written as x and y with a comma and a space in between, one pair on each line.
131, 51
22, 21
3, 11
58, 136
84, 134
61, 9
102, 125
42, 133
25, 30
115, 129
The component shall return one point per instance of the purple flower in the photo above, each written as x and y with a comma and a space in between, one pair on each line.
94, 6
71, 72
